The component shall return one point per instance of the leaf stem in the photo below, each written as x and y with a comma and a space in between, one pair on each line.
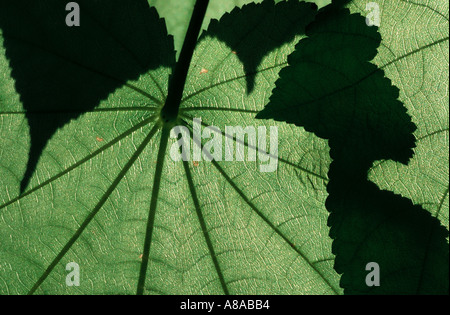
177, 82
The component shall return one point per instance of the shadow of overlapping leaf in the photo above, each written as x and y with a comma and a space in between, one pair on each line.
332, 90
62, 72
271, 26
82, 73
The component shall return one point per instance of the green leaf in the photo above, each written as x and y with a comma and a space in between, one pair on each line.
263, 38
416, 60
61, 72
107, 195
344, 98
330, 88
414, 55
178, 20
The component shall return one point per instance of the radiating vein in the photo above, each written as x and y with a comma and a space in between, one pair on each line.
427, 7
370, 74
263, 217
433, 133
204, 228
285, 63
219, 109
96, 209
230, 80
153, 204
142, 92
271, 225
414, 52
441, 202
158, 86
96, 110
81, 162
245, 143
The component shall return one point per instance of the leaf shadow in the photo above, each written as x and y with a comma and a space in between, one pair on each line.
255, 30
62, 72
332, 90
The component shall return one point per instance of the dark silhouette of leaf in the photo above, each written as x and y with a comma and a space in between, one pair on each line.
62, 72
115, 204
108, 195
270, 25
330, 88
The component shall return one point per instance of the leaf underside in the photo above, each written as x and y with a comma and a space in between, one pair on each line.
82, 206
356, 108
105, 193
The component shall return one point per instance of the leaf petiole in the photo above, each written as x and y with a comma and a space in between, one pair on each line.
177, 81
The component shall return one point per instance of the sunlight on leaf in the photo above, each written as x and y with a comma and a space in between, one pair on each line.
332, 89
107, 194
221, 227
